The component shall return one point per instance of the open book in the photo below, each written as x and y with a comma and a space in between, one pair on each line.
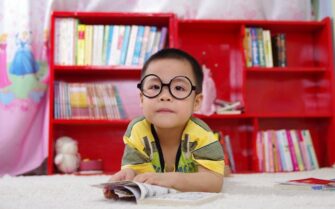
309, 184
151, 194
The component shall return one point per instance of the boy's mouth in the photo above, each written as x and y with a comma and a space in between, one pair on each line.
165, 110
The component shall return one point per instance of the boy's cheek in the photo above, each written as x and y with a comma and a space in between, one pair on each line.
141, 100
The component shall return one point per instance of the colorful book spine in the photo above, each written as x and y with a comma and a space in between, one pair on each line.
122, 30
260, 153
104, 44
310, 148
145, 43
297, 149
132, 42
267, 48
276, 152
230, 153
304, 151
254, 47
151, 40
292, 151
163, 38
282, 136
125, 45
81, 44
260, 45
247, 47
138, 45
88, 44
108, 46
112, 57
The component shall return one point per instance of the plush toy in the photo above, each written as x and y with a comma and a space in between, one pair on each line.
67, 157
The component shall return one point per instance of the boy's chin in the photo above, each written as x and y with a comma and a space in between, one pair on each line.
167, 124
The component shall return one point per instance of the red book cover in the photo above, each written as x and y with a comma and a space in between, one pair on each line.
314, 181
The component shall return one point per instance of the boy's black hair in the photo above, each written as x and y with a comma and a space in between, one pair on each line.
180, 55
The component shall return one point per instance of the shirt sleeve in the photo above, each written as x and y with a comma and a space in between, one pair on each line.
210, 156
134, 156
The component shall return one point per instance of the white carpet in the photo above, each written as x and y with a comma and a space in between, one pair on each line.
240, 191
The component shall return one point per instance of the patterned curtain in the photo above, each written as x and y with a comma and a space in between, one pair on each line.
24, 30
23, 85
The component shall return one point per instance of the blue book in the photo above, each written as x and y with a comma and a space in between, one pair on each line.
138, 45
281, 151
125, 43
151, 39
254, 47
119, 103
109, 44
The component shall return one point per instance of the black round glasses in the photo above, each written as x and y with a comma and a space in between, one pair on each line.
180, 87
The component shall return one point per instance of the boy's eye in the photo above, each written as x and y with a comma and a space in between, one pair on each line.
154, 87
179, 88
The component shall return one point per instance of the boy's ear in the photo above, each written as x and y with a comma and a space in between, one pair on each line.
197, 102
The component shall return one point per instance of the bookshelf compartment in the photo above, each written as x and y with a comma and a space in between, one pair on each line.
240, 132
320, 130
288, 94
217, 45
95, 141
306, 43
127, 94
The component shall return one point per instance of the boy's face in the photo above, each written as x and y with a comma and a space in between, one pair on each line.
165, 111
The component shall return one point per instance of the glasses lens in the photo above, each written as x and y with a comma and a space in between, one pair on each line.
180, 87
151, 86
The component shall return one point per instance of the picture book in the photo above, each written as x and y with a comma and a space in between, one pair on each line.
309, 184
143, 193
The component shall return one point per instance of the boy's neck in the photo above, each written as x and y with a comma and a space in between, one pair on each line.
169, 137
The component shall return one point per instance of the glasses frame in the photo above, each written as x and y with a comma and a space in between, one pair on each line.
140, 87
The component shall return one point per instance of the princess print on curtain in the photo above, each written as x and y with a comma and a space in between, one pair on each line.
23, 62
4, 81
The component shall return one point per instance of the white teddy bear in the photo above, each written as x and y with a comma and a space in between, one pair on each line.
67, 157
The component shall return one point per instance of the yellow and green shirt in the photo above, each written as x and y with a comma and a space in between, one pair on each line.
198, 146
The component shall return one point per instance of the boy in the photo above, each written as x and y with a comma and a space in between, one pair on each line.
167, 146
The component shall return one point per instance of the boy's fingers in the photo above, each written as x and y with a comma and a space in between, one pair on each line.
129, 176
107, 193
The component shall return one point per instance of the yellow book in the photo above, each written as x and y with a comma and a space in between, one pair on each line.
88, 44
81, 45
78, 95
247, 47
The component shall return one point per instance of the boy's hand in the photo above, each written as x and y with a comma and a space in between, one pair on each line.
160, 179
123, 175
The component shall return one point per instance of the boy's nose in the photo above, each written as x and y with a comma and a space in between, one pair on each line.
165, 94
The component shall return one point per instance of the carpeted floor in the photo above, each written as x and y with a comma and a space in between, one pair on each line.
240, 191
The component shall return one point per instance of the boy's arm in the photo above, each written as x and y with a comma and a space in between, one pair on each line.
204, 180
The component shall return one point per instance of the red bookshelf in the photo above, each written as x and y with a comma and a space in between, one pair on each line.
299, 96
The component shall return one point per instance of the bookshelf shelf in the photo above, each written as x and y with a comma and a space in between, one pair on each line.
102, 71
293, 70
223, 116
114, 122
298, 96
102, 68
301, 116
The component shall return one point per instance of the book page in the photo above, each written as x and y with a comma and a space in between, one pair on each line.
139, 190
181, 198
134, 190
148, 190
